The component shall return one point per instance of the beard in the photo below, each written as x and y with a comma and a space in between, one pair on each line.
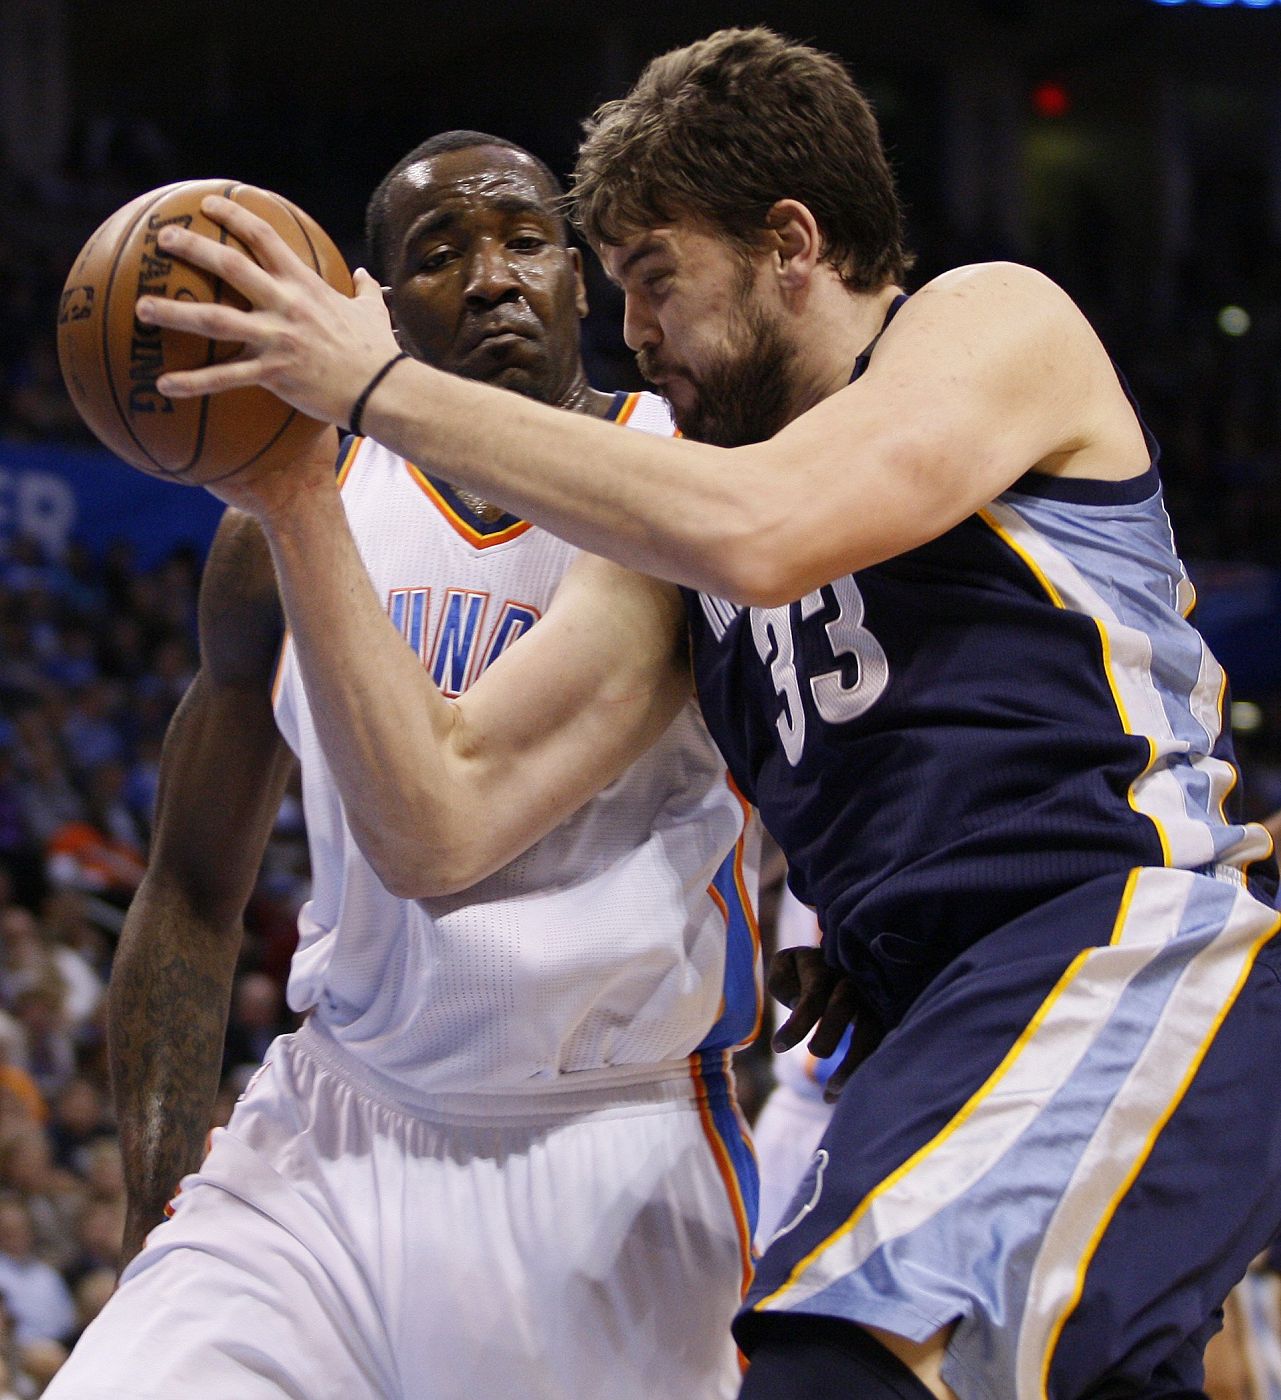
745, 397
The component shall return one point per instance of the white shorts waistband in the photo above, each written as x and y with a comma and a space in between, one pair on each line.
674, 1083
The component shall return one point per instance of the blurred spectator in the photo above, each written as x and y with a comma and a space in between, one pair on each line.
82, 988
53, 1197
79, 1118
23, 960
38, 405
104, 1175
108, 806
21, 1103
14, 835
100, 1230
91, 1292
51, 1057
257, 1018
84, 856
49, 801
38, 1298
91, 731
16, 1383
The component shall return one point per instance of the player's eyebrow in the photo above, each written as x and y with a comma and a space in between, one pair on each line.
445, 216
651, 243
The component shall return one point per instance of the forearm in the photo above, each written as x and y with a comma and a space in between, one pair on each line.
642, 500
167, 1015
382, 723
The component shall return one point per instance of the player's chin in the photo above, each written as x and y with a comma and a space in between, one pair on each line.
686, 408
519, 379
519, 368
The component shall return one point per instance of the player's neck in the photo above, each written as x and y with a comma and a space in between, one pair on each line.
839, 326
579, 397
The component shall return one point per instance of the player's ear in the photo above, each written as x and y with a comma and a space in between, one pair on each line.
580, 285
794, 241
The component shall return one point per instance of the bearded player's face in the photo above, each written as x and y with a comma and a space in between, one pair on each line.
482, 282
703, 335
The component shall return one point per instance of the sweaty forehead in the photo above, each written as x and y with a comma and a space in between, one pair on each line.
473, 179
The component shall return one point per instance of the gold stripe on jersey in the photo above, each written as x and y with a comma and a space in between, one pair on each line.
348, 459
1086, 1255
627, 409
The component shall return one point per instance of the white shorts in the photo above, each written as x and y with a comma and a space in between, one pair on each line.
335, 1246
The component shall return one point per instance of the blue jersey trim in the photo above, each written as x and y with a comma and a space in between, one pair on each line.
865, 358
712, 1069
741, 999
620, 399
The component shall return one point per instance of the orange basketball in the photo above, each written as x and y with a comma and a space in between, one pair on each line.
110, 361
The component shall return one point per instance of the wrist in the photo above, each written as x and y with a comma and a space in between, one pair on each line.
355, 418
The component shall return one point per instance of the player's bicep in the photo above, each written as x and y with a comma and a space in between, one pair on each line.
982, 376
223, 773
606, 659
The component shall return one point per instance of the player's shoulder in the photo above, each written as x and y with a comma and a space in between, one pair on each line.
241, 618
1009, 291
1008, 313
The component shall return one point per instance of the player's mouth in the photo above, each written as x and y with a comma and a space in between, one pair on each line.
492, 336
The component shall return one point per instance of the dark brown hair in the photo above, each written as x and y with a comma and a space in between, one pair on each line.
721, 130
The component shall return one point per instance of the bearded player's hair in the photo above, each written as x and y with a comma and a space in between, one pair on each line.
724, 128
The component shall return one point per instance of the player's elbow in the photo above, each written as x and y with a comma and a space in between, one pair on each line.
422, 861
743, 556
758, 566
199, 896
416, 870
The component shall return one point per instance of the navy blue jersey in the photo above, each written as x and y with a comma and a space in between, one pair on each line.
946, 740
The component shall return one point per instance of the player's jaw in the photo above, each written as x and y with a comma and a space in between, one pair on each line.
744, 392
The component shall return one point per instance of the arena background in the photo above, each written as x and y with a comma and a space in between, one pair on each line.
1129, 148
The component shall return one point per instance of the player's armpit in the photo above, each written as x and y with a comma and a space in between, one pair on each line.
223, 771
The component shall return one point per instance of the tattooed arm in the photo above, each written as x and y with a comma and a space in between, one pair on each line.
222, 775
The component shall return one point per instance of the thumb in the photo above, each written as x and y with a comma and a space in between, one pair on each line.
366, 284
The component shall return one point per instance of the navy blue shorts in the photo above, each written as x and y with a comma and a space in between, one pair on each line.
1070, 1148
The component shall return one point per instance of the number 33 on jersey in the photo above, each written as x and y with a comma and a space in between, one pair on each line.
859, 671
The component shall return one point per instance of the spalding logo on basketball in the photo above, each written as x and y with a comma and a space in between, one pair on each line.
111, 362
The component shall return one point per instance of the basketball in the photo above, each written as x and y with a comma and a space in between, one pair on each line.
110, 361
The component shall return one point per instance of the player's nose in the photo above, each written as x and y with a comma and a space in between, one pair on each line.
490, 277
640, 330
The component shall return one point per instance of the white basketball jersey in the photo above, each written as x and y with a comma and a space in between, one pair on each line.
621, 942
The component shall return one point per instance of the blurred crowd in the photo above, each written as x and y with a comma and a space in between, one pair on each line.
94, 655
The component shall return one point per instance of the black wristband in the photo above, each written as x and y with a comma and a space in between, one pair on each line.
358, 408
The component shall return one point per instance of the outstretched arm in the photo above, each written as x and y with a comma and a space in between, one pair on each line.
223, 771
988, 373
439, 793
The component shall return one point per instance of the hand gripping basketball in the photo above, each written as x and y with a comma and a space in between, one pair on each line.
111, 362
305, 342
